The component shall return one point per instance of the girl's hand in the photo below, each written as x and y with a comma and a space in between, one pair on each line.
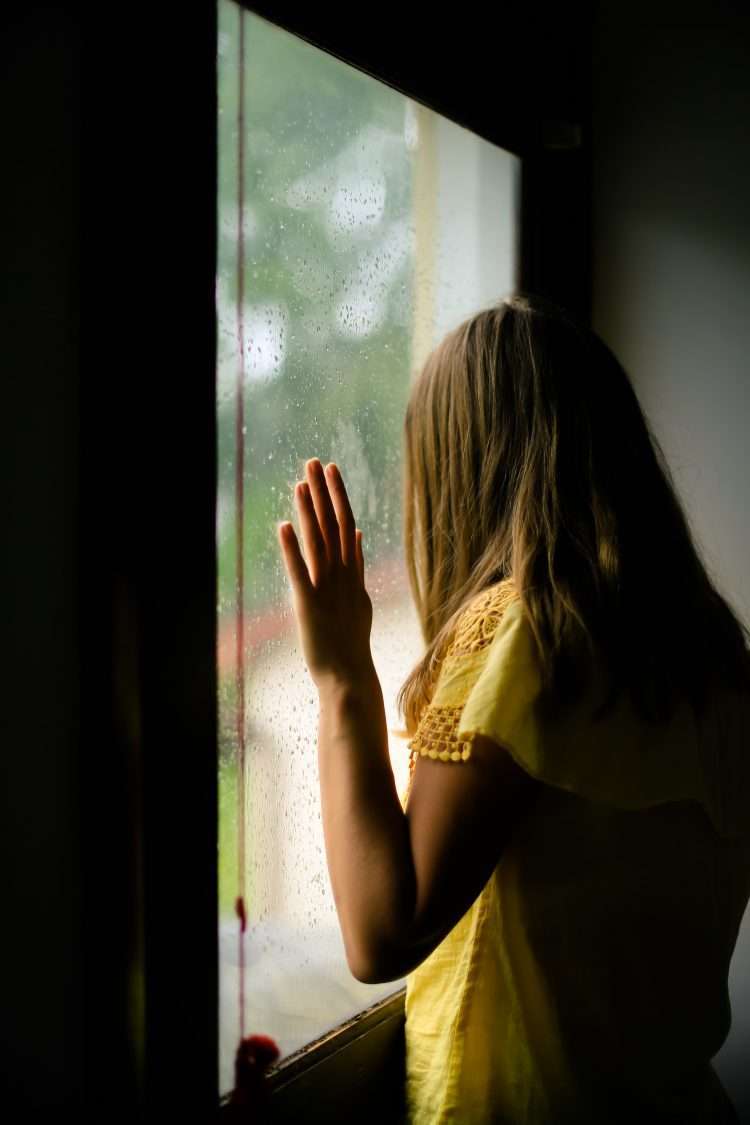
332, 607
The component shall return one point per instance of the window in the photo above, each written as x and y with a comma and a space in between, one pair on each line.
355, 227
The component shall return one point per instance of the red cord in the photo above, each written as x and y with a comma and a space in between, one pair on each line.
256, 1052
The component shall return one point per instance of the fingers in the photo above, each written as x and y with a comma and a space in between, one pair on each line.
326, 520
344, 514
324, 509
315, 547
295, 565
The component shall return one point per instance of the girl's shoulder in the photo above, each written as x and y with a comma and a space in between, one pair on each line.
480, 617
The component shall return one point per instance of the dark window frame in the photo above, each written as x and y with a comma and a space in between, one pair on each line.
148, 562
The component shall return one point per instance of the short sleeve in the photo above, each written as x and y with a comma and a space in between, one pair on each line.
621, 760
493, 688
437, 735
503, 701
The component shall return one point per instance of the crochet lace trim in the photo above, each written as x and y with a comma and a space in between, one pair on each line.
477, 624
435, 736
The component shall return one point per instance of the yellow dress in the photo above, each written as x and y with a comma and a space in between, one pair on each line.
588, 980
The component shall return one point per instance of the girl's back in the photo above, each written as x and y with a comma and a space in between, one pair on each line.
588, 981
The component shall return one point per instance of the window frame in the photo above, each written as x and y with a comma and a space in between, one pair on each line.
148, 567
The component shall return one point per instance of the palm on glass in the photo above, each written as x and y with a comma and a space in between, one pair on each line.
331, 605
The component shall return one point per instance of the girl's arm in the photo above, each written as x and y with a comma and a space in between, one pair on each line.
366, 832
400, 880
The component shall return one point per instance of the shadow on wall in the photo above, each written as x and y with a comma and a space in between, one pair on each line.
671, 278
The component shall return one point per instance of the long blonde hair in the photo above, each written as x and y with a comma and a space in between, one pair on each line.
528, 459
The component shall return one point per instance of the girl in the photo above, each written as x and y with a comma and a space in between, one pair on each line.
563, 883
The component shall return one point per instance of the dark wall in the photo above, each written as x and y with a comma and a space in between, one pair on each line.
671, 288
41, 988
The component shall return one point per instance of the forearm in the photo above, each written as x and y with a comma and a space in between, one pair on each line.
365, 828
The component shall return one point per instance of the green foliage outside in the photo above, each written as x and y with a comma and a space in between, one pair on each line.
335, 391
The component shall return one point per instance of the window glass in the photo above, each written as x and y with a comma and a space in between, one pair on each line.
355, 227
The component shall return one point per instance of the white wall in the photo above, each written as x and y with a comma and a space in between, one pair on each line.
671, 286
